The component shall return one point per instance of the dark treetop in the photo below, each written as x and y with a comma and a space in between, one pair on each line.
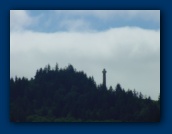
67, 95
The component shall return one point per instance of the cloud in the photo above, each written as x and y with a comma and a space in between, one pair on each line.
131, 55
19, 19
82, 20
96, 20
130, 41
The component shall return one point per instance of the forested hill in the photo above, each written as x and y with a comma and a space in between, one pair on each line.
66, 95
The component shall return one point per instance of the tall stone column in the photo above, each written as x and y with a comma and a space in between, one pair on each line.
104, 77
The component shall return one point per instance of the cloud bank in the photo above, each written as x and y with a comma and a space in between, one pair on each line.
127, 53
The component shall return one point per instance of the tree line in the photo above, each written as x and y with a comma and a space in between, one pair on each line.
68, 95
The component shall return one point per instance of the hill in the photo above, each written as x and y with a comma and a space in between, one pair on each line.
68, 95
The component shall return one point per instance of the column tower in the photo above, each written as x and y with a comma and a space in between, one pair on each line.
104, 77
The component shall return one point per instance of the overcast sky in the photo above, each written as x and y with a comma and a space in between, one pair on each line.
124, 42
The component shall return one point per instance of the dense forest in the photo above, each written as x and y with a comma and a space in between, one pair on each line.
68, 95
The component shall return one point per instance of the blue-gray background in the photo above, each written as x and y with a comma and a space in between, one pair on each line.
163, 127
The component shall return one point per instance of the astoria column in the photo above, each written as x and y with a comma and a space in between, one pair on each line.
104, 77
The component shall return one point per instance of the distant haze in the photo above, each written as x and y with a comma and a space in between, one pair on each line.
125, 43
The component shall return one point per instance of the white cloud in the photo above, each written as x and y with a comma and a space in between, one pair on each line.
19, 20
79, 20
131, 55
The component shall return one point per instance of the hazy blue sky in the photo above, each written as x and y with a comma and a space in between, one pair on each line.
125, 42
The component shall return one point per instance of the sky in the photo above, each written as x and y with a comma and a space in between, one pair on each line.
124, 42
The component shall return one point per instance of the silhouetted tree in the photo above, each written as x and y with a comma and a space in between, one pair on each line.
56, 67
69, 95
